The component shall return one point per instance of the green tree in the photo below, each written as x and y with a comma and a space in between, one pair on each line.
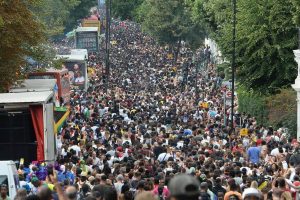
79, 12
266, 36
20, 31
53, 19
125, 9
170, 22
297, 11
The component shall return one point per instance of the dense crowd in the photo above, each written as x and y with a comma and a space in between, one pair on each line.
155, 129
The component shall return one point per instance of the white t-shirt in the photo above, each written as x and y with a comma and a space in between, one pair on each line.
76, 148
275, 151
164, 157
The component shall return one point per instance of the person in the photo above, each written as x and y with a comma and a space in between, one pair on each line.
184, 187
45, 193
295, 158
71, 193
252, 192
204, 191
145, 196
233, 193
119, 184
21, 194
4, 191
253, 153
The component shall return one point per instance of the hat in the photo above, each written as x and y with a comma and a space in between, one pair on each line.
184, 185
203, 176
120, 149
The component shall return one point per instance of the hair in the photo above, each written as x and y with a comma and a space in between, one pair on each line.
45, 193
33, 197
110, 194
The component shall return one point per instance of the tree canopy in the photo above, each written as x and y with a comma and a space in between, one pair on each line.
125, 9
52, 18
170, 21
266, 36
20, 32
80, 11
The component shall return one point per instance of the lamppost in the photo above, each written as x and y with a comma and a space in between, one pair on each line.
233, 63
107, 41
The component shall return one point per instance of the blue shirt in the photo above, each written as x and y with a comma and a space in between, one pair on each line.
253, 154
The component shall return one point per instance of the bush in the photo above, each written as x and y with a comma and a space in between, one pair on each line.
282, 109
252, 103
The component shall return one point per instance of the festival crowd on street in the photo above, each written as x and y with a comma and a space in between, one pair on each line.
155, 129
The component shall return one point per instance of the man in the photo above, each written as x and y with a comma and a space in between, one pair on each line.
253, 153
118, 185
184, 187
3, 192
295, 158
71, 193
96, 160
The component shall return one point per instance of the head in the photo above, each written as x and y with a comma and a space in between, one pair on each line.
45, 193
183, 186
4, 190
71, 192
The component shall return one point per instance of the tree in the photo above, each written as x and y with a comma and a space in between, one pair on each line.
20, 31
80, 11
125, 9
296, 3
170, 22
266, 36
53, 19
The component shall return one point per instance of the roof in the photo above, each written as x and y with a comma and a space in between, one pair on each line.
72, 57
79, 52
56, 70
25, 97
34, 85
86, 29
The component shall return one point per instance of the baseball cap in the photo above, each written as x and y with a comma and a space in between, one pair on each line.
120, 149
184, 185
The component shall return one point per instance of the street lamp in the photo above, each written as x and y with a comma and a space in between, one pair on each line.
107, 41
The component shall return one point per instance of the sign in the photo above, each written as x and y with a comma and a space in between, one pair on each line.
244, 132
87, 40
91, 23
204, 105
77, 74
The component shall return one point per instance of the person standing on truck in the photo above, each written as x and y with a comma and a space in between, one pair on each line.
3, 192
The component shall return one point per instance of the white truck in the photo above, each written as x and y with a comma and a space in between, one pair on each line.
9, 177
27, 122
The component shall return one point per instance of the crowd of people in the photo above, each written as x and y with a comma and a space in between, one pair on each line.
155, 129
